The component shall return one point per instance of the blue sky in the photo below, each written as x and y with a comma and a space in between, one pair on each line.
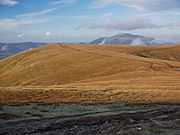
85, 20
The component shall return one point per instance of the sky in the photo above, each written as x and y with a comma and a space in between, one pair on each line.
85, 20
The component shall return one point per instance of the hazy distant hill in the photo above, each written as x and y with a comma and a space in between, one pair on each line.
7, 49
125, 38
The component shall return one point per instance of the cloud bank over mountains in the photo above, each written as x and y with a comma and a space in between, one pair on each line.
142, 5
86, 20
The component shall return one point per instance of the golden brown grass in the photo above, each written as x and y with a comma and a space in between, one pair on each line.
92, 73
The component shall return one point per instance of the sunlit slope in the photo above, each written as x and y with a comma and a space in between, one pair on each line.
58, 64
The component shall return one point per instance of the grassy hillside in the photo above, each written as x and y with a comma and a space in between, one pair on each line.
130, 72
171, 53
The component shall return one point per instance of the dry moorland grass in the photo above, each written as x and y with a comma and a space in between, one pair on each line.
92, 73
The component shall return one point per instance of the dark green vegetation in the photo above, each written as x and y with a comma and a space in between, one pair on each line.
80, 119
13, 113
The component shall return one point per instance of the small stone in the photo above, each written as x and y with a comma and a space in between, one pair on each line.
138, 128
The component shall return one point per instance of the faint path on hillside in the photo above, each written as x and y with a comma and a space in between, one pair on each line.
150, 63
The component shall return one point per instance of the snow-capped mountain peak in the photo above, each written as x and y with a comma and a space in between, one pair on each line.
124, 38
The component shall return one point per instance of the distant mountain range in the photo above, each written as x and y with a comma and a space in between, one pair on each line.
7, 49
125, 38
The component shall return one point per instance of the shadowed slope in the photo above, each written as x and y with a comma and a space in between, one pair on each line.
166, 53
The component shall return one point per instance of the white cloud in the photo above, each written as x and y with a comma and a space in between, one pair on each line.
83, 17
4, 48
142, 5
152, 5
48, 33
92, 18
20, 35
161, 14
8, 2
9, 24
25, 19
46, 11
178, 23
104, 3
107, 15
130, 23
63, 2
